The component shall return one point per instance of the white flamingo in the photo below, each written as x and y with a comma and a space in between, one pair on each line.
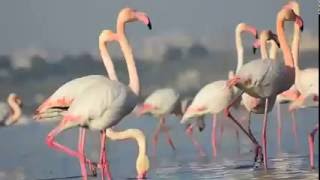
306, 82
161, 103
216, 96
114, 99
266, 79
10, 112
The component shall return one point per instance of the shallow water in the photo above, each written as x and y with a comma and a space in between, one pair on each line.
24, 155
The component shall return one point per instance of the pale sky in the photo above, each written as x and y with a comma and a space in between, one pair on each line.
72, 26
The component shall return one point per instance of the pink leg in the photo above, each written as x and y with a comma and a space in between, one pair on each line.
50, 140
279, 129
264, 134
103, 158
311, 145
155, 138
249, 135
221, 131
189, 132
81, 142
213, 136
238, 140
294, 127
166, 131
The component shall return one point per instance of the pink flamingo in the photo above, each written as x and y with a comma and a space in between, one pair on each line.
306, 82
78, 115
216, 96
161, 103
10, 112
266, 79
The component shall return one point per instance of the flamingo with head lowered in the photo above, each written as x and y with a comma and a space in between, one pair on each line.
268, 78
10, 111
216, 96
104, 103
163, 102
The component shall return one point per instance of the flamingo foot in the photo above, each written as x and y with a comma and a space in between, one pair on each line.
258, 159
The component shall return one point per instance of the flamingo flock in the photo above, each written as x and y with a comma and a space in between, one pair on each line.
100, 103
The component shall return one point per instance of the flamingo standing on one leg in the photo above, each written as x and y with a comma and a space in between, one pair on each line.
216, 96
266, 79
10, 112
133, 15
306, 82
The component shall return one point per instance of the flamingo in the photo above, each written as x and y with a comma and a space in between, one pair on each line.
10, 111
266, 79
216, 96
306, 82
252, 104
116, 100
161, 103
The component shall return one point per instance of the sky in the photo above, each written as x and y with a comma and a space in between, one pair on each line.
72, 26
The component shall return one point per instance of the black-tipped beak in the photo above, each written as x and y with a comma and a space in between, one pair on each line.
254, 49
301, 28
257, 36
201, 129
149, 25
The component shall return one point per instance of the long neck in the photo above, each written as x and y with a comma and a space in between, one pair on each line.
15, 111
295, 47
263, 49
287, 56
130, 134
108, 64
273, 50
240, 50
134, 83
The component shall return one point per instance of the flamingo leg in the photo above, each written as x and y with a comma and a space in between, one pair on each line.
294, 127
238, 140
250, 136
166, 131
155, 138
279, 129
189, 132
50, 140
81, 143
311, 145
105, 171
264, 134
213, 136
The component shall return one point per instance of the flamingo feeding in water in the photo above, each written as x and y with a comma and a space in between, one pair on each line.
10, 112
268, 78
114, 99
306, 82
216, 96
161, 103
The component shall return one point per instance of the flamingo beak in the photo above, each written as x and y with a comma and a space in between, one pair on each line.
142, 175
141, 16
149, 25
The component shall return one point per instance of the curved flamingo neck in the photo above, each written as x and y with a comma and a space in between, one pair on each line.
239, 48
273, 50
295, 46
135, 134
107, 61
287, 56
15, 111
134, 83
263, 49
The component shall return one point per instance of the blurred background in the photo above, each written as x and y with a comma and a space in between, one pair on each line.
46, 43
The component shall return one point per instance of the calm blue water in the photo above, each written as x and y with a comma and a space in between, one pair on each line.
24, 155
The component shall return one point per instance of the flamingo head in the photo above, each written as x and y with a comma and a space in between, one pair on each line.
247, 28
142, 166
294, 6
192, 112
287, 14
131, 15
15, 98
264, 36
145, 108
